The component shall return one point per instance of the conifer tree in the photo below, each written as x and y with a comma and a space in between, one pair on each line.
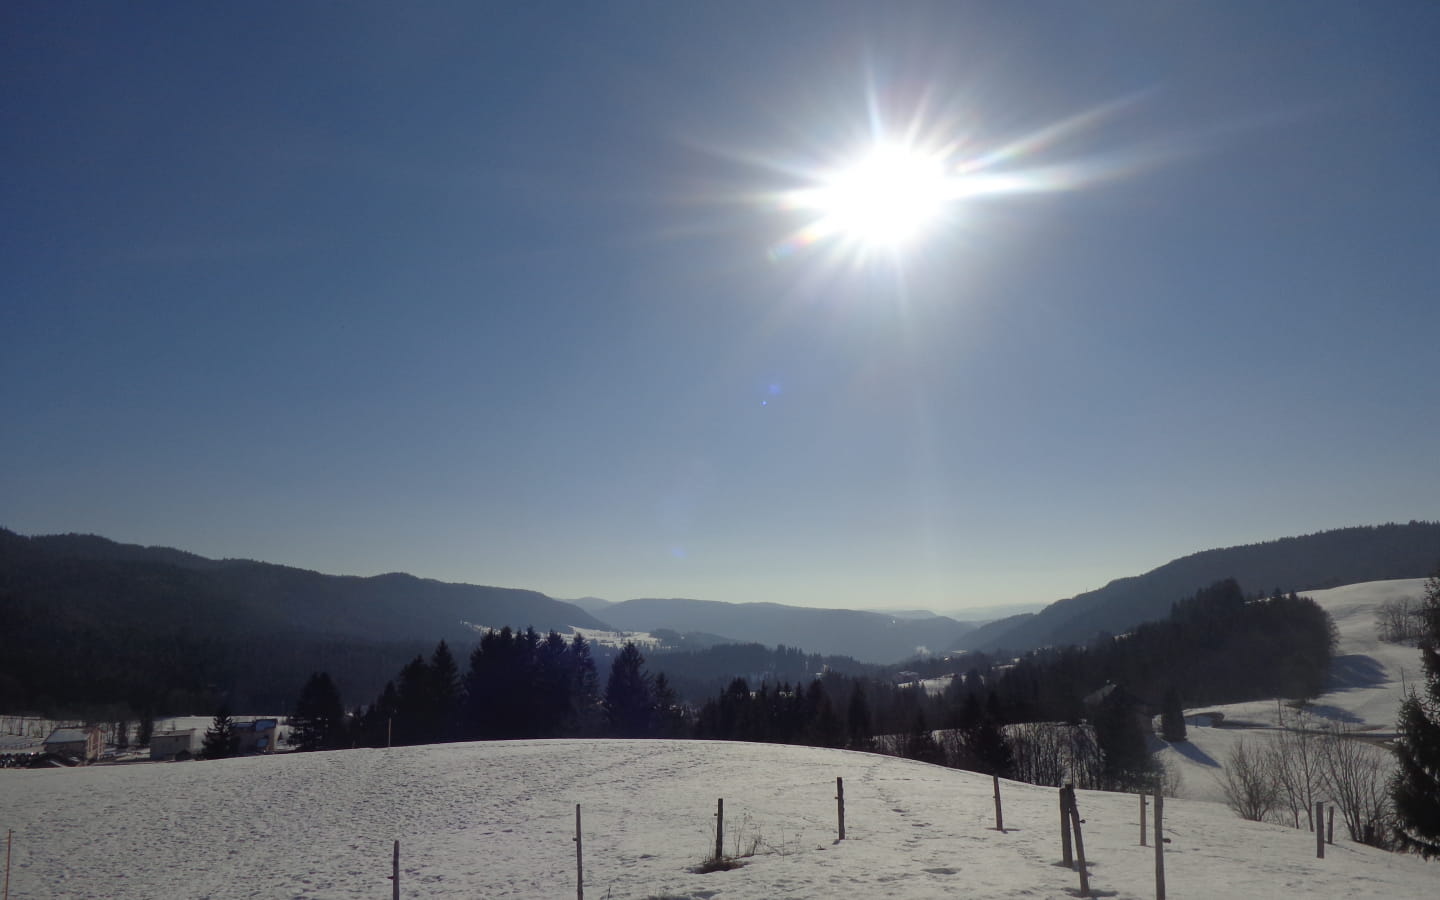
443, 710
857, 721
824, 728
1118, 731
319, 719
379, 719
585, 689
413, 702
220, 741
1415, 787
988, 744
669, 718
629, 695
1172, 716
920, 743
144, 728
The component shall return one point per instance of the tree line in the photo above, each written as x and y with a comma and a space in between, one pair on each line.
517, 685
1088, 705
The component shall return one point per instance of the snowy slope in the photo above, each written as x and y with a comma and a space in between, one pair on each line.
1366, 686
496, 820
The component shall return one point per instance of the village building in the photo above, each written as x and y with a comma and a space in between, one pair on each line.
257, 736
174, 745
84, 743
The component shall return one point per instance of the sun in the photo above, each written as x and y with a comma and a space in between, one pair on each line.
884, 198
887, 198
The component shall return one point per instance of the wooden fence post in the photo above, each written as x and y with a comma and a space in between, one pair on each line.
1319, 830
1330, 828
720, 828
999, 816
1142, 818
9, 838
579, 859
1159, 845
395, 872
1065, 825
840, 804
1079, 847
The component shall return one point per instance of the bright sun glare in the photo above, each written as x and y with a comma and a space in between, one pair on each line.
898, 191
884, 200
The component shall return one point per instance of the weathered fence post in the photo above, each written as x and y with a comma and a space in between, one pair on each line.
1142, 819
1330, 828
579, 859
1079, 847
999, 816
1159, 845
9, 837
395, 872
720, 828
389, 724
1065, 825
1319, 830
840, 804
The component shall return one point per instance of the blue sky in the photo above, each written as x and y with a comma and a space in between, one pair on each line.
487, 292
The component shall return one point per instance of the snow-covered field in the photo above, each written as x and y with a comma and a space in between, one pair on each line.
496, 821
1366, 686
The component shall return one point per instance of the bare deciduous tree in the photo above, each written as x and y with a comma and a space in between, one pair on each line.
1295, 762
1248, 782
1399, 620
1054, 754
1356, 776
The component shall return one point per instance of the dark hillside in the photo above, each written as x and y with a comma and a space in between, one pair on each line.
1312, 562
90, 623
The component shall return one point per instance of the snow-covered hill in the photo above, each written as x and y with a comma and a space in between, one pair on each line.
496, 821
1367, 680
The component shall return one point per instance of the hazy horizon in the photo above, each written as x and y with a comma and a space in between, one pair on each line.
828, 304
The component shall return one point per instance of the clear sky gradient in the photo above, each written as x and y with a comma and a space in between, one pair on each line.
504, 293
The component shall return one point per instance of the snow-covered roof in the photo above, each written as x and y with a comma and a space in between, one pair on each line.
68, 736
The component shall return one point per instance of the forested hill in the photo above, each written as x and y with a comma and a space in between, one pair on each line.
1311, 562
91, 623
114, 581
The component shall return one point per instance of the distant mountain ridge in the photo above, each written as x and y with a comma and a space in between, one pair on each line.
1325, 559
867, 636
258, 597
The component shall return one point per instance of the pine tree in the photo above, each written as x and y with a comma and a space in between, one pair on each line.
378, 722
585, 688
824, 728
669, 717
413, 704
990, 748
446, 695
1172, 716
122, 735
629, 695
920, 744
145, 728
220, 741
857, 721
319, 719
1415, 787
1121, 737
